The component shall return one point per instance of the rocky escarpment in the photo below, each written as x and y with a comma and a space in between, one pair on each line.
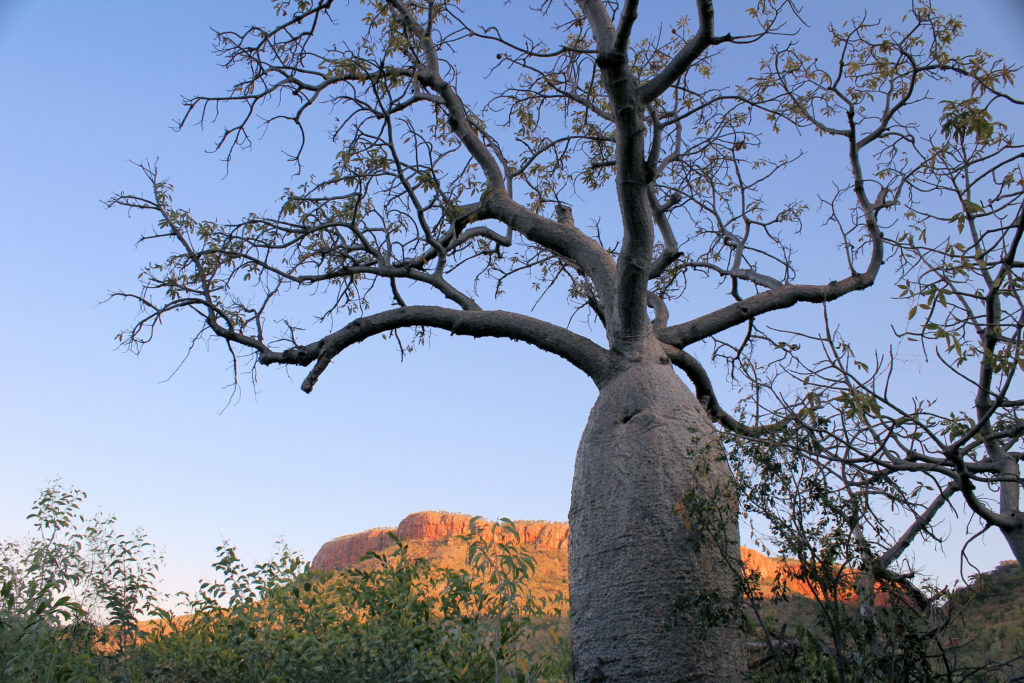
435, 536
345, 551
431, 527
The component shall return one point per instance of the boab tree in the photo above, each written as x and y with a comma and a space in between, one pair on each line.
434, 188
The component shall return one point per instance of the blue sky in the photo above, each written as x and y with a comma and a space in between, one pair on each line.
91, 87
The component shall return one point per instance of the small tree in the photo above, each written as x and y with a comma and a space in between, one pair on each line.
43, 626
433, 190
76, 583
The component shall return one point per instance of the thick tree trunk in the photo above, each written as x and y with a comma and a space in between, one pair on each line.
1009, 501
1014, 538
654, 538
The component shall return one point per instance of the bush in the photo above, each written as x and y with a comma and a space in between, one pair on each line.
70, 595
399, 620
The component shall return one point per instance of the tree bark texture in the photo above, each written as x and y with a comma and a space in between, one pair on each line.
651, 479
1014, 538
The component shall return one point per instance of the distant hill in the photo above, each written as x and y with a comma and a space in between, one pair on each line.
989, 618
434, 536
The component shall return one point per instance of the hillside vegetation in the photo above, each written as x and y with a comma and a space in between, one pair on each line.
488, 604
989, 619
978, 628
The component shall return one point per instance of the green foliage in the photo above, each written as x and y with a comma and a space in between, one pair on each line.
399, 620
500, 568
989, 626
836, 641
74, 589
71, 599
864, 617
964, 118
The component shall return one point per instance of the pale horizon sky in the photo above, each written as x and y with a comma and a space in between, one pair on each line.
92, 87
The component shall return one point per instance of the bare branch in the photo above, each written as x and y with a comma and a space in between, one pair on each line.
581, 352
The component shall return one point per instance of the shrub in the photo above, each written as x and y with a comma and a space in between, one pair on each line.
71, 595
399, 620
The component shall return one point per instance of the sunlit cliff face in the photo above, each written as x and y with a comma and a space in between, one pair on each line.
435, 536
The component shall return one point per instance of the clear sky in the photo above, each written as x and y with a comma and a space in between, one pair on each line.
487, 428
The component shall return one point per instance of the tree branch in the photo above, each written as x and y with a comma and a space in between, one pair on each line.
686, 56
580, 351
684, 334
631, 179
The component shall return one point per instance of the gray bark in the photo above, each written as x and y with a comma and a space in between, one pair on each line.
1014, 538
651, 478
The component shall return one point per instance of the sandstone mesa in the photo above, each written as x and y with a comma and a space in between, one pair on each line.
433, 535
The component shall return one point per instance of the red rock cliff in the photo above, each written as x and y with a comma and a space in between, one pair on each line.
345, 551
437, 527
